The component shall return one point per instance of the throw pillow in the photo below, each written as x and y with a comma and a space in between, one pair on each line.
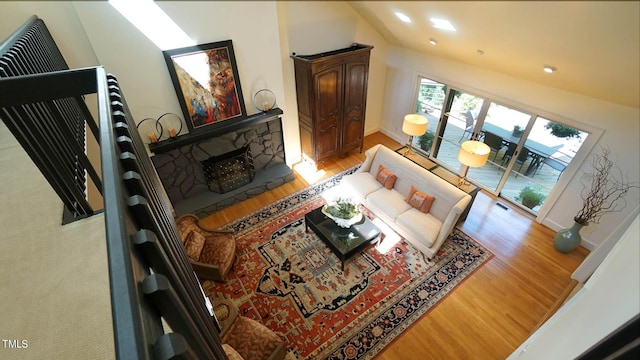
420, 200
193, 245
386, 177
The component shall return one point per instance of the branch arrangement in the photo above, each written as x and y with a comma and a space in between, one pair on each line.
607, 190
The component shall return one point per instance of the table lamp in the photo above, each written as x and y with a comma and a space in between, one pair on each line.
414, 125
472, 154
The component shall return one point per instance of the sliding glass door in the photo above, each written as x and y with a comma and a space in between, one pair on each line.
545, 155
526, 158
529, 153
457, 122
502, 129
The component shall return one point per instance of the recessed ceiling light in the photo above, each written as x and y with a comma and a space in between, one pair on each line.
442, 24
549, 69
403, 17
433, 41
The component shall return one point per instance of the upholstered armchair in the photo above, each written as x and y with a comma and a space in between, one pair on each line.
211, 252
244, 338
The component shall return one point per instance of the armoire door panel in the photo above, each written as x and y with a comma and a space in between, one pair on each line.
328, 93
327, 143
355, 84
352, 129
328, 111
355, 98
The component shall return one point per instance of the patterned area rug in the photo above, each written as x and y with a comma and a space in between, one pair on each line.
289, 280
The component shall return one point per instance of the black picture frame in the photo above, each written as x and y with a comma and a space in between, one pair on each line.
219, 100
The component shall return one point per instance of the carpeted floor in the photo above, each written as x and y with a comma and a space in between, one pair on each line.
289, 280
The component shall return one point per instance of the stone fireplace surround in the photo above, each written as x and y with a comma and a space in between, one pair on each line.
179, 168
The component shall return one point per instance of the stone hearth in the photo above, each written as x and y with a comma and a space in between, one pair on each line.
182, 175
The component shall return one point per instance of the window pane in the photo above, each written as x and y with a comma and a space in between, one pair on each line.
556, 147
501, 131
461, 111
430, 100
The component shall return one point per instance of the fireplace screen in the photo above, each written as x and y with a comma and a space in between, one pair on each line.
229, 171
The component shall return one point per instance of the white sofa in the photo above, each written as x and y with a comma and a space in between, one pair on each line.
426, 231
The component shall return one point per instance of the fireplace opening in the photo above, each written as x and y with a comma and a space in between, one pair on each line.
229, 171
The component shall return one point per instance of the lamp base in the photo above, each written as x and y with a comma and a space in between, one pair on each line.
409, 145
461, 182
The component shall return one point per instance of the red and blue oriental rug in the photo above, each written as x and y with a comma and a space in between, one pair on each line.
289, 280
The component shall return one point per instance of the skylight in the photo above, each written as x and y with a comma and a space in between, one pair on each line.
154, 23
403, 17
442, 24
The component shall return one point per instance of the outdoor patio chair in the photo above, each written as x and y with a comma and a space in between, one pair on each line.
522, 157
554, 164
468, 127
494, 142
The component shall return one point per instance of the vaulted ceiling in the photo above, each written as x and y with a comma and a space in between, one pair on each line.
594, 45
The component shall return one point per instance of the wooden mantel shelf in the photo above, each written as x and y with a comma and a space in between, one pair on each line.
215, 130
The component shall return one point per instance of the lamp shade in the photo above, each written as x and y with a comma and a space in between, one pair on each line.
473, 153
414, 124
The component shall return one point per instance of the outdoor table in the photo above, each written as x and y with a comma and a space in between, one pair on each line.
538, 151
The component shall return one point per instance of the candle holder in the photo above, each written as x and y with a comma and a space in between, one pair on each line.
264, 100
149, 132
172, 123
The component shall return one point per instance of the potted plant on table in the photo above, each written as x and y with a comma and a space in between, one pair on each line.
605, 194
343, 212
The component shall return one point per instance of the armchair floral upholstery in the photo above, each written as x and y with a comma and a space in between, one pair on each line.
247, 338
210, 252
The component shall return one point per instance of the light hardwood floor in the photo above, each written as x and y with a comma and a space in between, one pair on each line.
492, 312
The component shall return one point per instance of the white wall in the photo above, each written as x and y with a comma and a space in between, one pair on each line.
142, 71
318, 26
264, 33
620, 125
607, 300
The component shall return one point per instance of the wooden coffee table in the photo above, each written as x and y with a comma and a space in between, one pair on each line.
344, 243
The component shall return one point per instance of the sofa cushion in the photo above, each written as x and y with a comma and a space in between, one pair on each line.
424, 227
419, 200
193, 245
386, 177
390, 202
359, 185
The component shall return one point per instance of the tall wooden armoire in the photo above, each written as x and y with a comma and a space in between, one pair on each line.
331, 88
